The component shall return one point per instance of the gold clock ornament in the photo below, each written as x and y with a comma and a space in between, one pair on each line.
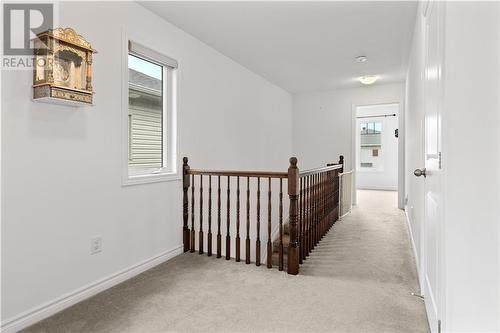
63, 68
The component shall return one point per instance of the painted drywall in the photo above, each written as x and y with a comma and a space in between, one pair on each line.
61, 166
323, 123
470, 163
385, 176
471, 200
414, 117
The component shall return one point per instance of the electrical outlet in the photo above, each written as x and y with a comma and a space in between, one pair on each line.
95, 245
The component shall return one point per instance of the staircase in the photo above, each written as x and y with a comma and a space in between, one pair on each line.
313, 207
276, 247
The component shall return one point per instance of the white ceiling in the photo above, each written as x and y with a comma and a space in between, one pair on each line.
303, 46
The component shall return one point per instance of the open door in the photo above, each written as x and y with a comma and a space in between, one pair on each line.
432, 175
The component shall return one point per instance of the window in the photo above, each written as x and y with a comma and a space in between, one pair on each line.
150, 115
370, 145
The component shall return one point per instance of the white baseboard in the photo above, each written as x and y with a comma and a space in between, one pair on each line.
415, 254
46, 310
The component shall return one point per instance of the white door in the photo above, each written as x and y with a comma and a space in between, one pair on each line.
432, 176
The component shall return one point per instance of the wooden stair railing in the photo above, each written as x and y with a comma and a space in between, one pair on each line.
313, 209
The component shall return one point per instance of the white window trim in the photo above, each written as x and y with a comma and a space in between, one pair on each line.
169, 122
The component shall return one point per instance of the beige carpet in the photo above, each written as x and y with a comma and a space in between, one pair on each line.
358, 279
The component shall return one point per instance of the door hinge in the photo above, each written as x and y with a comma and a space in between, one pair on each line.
439, 160
439, 326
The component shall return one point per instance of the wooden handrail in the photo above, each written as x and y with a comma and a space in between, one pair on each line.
313, 208
236, 173
310, 172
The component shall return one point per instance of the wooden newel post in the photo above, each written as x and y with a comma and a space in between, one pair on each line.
185, 210
293, 193
341, 161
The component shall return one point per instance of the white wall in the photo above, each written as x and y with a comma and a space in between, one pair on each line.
414, 115
61, 167
385, 176
323, 123
471, 201
470, 162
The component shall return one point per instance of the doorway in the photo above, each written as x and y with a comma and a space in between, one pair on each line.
376, 146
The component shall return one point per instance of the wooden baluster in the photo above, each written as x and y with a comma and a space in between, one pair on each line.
257, 242
200, 241
325, 202
209, 250
301, 221
192, 215
328, 199
320, 235
219, 236
311, 246
334, 186
228, 236
320, 201
238, 219
304, 225
332, 205
305, 217
281, 227
337, 189
309, 216
316, 210
293, 191
311, 206
319, 208
322, 204
247, 252
185, 203
269, 227
332, 197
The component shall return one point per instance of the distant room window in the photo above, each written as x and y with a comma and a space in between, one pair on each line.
150, 129
370, 148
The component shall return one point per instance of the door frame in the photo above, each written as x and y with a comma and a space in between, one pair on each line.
401, 149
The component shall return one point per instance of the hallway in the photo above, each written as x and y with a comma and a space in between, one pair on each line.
358, 279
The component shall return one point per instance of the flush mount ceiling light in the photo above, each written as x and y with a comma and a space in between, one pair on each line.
368, 79
361, 59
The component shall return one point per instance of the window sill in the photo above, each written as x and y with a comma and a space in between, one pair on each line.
151, 178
